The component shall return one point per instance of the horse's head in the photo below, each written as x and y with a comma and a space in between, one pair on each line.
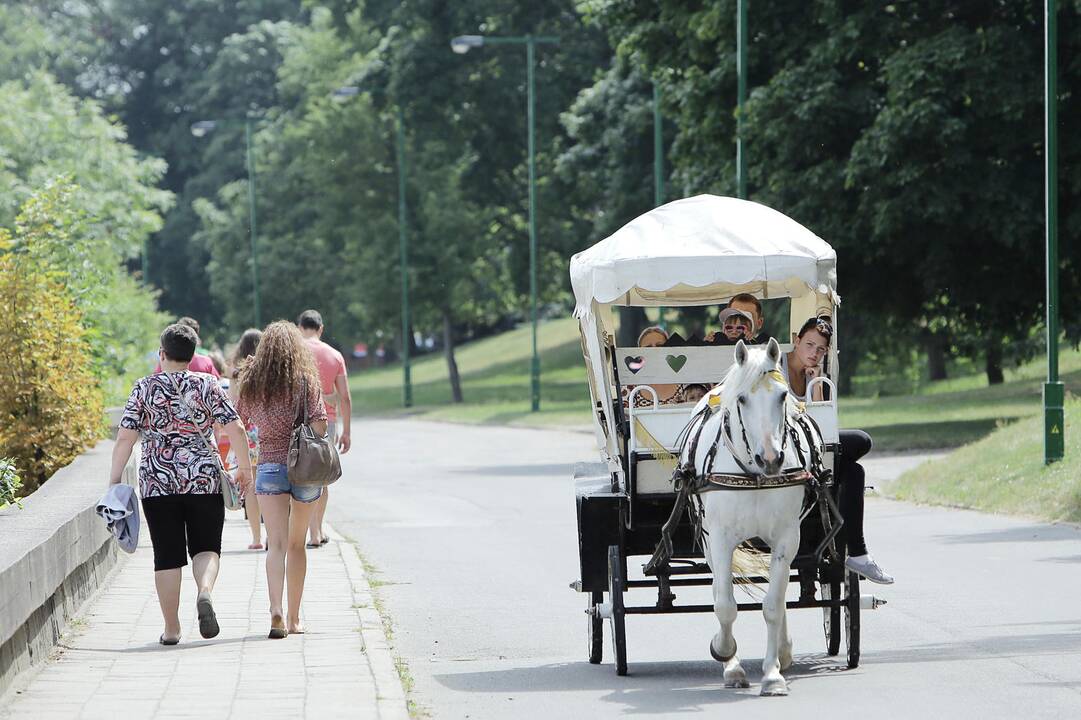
755, 405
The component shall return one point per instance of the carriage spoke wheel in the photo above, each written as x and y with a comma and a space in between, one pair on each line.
831, 617
596, 628
852, 618
615, 596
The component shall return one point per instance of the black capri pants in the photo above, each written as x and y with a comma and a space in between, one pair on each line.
188, 520
851, 482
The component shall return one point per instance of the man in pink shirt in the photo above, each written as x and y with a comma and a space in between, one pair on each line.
200, 362
331, 366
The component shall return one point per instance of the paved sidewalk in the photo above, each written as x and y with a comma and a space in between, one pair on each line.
110, 664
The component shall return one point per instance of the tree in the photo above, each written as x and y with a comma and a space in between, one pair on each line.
50, 403
907, 135
110, 206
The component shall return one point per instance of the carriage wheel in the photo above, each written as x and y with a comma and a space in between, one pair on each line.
852, 618
615, 595
596, 628
831, 617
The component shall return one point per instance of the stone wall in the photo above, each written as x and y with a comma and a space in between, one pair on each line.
54, 553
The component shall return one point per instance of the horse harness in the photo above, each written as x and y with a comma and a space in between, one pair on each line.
690, 486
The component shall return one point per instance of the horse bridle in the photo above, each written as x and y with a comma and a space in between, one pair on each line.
726, 425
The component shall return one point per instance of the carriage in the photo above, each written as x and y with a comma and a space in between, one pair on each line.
699, 251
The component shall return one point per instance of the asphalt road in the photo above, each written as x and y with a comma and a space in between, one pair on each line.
473, 530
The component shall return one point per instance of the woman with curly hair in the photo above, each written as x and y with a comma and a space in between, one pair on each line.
273, 383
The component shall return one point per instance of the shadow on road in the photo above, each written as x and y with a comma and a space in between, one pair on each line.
649, 688
1000, 646
1028, 533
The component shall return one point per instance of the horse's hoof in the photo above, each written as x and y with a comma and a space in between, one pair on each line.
738, 680
721, 658
774, 688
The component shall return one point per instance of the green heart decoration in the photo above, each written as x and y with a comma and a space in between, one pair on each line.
676, 362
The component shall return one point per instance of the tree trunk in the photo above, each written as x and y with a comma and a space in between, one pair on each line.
452, 364
632, 321
994, 361
935, 346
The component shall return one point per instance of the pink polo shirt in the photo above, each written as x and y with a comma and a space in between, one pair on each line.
330, 364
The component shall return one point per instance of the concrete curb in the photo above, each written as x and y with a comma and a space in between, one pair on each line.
388, 686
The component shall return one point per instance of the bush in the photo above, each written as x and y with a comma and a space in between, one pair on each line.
50, 401
10, 482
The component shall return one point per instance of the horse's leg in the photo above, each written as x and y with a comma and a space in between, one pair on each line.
723, 645
778, 643
784, 653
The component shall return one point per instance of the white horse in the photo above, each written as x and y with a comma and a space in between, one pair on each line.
748, 419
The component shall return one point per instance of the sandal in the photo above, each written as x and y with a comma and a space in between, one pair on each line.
314, 545
277, 628
208, 621
170, 641
255, 546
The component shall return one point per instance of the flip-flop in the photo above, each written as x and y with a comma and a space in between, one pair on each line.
277, 633
255, 546
171, 641
208, 621
313, 546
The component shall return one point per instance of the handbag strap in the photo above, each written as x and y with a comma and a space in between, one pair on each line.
191, 409
300, 414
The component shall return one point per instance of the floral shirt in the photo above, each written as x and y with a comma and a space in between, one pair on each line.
175, 459
275, 421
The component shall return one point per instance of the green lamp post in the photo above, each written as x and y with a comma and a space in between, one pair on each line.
349, 91
461, 45
1054, 418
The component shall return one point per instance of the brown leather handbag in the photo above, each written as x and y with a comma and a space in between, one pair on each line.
313, 459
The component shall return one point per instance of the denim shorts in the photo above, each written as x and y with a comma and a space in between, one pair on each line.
273, 479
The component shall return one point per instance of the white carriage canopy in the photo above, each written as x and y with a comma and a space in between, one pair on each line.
701, 250
696, 251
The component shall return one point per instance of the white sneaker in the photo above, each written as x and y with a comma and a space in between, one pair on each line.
865, 566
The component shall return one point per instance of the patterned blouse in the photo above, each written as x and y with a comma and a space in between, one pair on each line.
175, 459
275, 423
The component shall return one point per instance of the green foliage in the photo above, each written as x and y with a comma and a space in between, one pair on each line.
908, 135
50, 404
10, 483
45, 133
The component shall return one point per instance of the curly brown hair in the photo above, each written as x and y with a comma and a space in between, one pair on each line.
281, 362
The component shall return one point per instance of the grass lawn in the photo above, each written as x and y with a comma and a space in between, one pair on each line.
495, 383
1004, 472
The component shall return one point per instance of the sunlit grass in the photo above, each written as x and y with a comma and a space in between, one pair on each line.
1004, 472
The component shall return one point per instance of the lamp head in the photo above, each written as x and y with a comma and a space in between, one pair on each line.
202, 127
464, 43
346, 91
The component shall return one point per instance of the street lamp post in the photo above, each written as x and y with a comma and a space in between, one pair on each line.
349, 91
461, 45
1053, 391
741, 97
204, 127
658, 168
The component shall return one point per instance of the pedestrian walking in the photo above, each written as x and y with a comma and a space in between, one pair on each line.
245, 350
277, 385
175, 411
335, 385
